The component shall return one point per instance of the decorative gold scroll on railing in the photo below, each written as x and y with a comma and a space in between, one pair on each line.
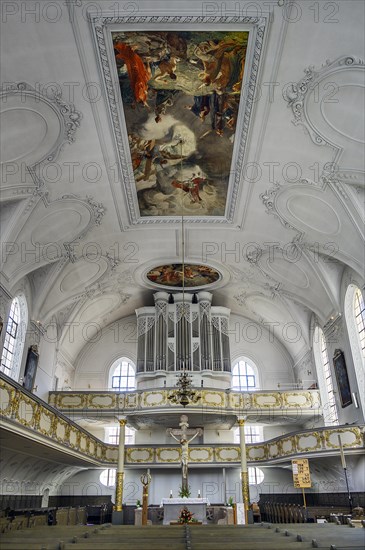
230, 401
28, 414
323, 441
23, 409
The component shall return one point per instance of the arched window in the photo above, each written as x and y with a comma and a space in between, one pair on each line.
325, 378
355, 322
253, 434
14, 338
359, 312
255, 476
244, 376
112, 435
122, 375
107, 477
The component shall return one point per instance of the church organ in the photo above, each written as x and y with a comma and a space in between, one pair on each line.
171, 335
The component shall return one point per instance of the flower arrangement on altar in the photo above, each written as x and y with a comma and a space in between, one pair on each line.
186, 516
184, 492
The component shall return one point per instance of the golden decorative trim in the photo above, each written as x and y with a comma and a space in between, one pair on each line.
258, 447
147, 394
356, 431
25, 420
287, 395
132, 460
10, 391
293, 446
208, 450
241, 422
277, 397
122, 422
218, 451
92, 397
205, 401
119, 492
316, 435
15, 402
245, 490
168, 460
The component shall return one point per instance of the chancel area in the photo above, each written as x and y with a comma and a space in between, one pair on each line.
182, 274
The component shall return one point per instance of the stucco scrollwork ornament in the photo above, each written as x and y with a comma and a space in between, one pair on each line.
296, 95
52, 107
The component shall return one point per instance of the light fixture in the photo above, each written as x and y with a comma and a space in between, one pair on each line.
184, 393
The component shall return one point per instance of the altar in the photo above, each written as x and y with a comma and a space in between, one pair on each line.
173, 506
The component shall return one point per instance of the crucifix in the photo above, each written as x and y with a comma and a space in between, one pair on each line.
184, 436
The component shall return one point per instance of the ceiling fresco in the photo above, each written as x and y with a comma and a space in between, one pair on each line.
192, 276
181, 96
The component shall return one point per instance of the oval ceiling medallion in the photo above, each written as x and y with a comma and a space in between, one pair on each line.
171, 275
342, 113
25, 130
313, 213
59, 225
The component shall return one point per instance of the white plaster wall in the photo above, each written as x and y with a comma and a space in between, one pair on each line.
117, 340
275, 366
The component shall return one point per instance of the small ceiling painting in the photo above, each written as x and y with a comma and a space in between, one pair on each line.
195, 275
181, 95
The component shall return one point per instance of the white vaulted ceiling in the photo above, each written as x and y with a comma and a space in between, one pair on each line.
297, 223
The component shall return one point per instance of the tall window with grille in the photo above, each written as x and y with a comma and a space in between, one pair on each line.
255, 476
359, 312
112, 435
332, 408
253, 434
244, 377
11, 334
123, 376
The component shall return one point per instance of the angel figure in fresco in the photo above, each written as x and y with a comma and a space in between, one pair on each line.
191, 186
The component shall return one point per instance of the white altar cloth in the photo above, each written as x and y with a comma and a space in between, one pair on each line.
185, 501
173, 506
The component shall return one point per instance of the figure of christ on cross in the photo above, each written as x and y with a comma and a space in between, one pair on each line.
182, 436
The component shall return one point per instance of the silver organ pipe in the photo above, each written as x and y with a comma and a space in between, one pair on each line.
171, 335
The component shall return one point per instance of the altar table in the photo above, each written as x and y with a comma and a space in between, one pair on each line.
173, 506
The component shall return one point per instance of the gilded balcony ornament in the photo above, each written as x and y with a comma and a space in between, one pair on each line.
207, 450
37, 416
15, 398
234, 451
160, 451
6, 398
142, 459
329, 434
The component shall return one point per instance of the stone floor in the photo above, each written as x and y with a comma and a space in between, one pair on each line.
187, 537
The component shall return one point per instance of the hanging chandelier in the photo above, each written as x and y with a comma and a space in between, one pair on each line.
184, 393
